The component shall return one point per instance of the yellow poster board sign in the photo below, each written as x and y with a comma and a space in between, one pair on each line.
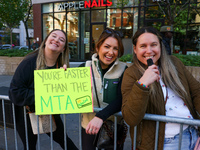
60, 92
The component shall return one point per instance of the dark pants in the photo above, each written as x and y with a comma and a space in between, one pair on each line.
87, 141
58, 135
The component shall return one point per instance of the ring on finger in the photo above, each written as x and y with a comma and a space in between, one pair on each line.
90, 129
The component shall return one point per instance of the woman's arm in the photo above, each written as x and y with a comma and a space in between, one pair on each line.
134, 98
21, 90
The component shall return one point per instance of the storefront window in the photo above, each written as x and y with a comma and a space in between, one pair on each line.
98, 15
85, 35
46, 8
128, 22
47, 24
123, 3
114, 18
59, 21
135, 20
73, 34
57, 7
141, 17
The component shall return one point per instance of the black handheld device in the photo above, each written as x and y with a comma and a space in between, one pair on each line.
149, 62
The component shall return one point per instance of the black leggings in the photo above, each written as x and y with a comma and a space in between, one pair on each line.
58, 135
87, 141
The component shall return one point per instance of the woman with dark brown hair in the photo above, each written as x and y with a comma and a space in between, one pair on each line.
108, 72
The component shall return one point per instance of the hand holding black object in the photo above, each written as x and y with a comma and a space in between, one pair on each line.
150, 62
151, 74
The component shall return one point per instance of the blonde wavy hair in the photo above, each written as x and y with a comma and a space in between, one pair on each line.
62, 59
167, 69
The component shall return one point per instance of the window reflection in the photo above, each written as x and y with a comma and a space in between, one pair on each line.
114, 18
47, 8
98, 15
72, 34
47, 24
128, 22
59, 21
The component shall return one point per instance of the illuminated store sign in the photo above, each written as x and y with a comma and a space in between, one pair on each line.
84, 4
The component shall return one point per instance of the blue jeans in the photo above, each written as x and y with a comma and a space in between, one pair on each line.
189, 138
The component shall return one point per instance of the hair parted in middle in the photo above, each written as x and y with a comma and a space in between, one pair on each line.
62, 59
108, 32
167, 69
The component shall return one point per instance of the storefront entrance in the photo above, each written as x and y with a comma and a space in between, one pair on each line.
97, 29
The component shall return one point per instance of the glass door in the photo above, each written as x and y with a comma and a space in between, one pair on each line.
97, 29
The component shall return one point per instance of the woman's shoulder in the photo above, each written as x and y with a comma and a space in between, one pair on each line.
31, 57
28, 61
122, 64
176, 61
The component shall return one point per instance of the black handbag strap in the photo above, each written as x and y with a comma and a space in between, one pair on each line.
95, 86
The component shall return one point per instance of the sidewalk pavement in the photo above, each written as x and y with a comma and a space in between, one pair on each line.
72, 121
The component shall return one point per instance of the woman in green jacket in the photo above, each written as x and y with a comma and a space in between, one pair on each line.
165, 87
107, 71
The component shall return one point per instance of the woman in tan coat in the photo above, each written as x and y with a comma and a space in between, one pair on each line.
165, 87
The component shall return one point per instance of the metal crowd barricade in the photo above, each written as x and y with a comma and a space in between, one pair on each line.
156, 118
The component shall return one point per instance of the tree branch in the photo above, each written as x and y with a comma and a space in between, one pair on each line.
161, 8
182, 8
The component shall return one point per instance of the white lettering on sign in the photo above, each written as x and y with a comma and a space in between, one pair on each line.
84, 4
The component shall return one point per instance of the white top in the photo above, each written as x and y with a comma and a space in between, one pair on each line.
175, 107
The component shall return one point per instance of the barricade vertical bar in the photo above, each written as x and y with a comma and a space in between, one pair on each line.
51, 128
4, 122
115, 134
26, 131
180, 136
135, 136
80, 133
157, 131
14, 122
38, 135
65, 131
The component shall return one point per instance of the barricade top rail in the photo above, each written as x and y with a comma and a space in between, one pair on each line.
154, 117
4, 97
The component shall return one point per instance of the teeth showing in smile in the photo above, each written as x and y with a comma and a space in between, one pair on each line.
55, 45
149, 57
108, 57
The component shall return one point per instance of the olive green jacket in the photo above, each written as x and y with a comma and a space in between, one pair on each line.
136, 101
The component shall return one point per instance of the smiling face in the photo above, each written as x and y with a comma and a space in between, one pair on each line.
147, 46
55, 43
108, 52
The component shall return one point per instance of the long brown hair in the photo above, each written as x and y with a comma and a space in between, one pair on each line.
167, 69
62, 59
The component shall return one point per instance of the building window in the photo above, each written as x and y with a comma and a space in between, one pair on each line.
46, 8
59, 21
73, 34
114, 19
47, 24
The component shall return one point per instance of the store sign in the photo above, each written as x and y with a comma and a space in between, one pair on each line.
84, 4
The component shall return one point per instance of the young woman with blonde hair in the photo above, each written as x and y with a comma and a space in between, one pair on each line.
53, 53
